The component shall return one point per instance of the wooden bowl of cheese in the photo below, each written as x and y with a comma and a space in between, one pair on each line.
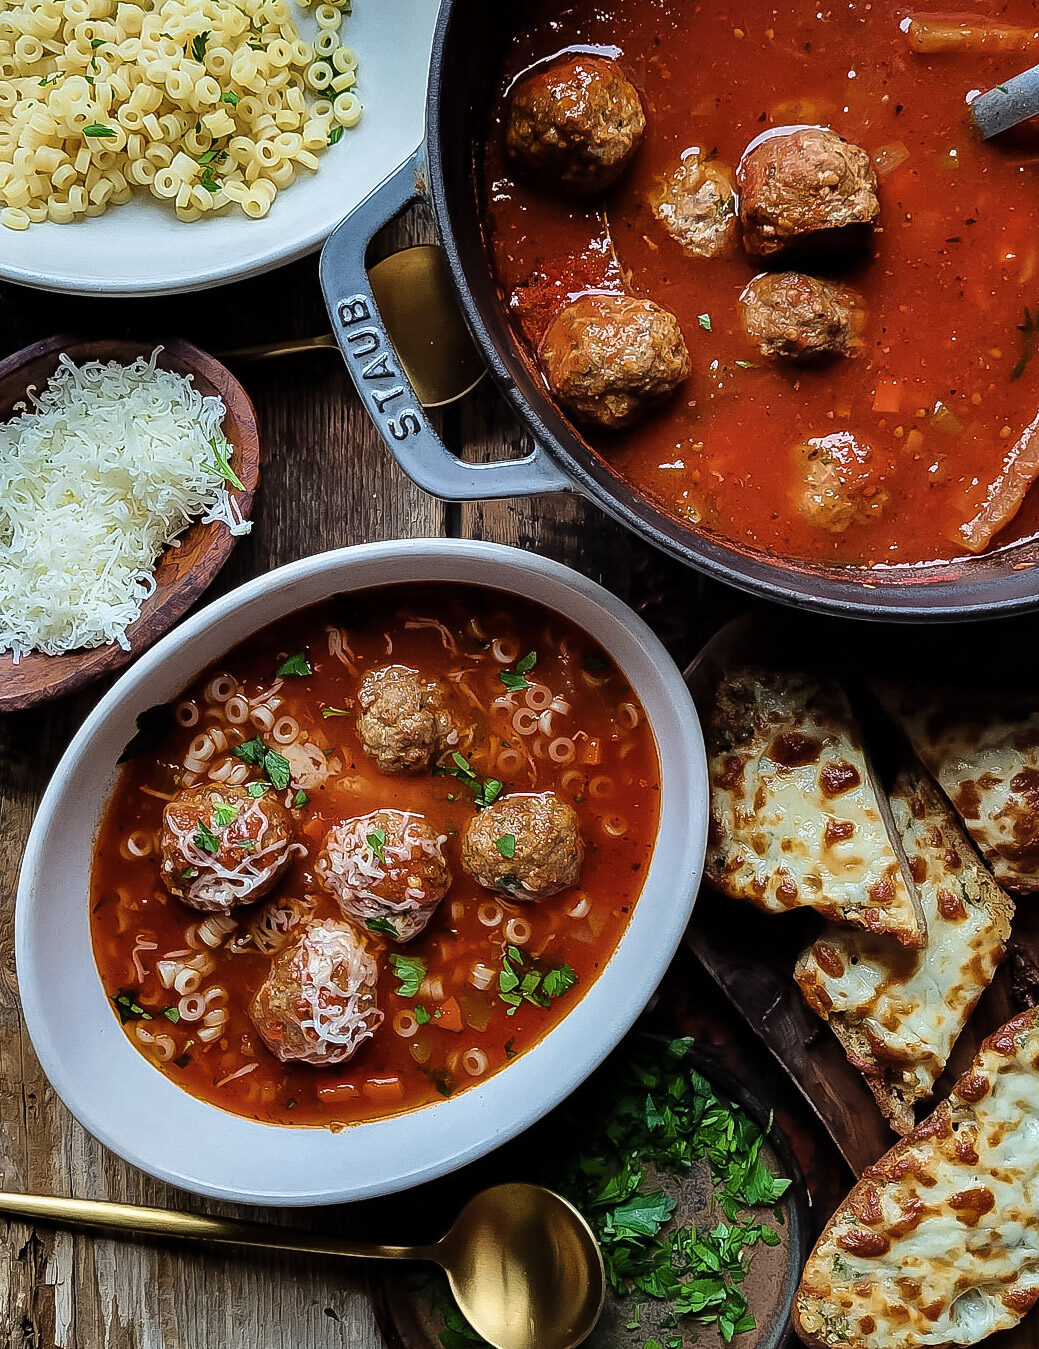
101, 467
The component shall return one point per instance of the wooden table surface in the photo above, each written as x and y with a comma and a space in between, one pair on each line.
327, 482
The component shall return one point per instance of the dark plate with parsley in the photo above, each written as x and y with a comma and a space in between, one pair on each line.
695, 1195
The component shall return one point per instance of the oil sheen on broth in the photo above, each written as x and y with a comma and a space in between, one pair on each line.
531, 706
938, 391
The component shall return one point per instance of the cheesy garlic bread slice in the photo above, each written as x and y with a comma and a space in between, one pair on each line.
796, 819
984, 750
898, 1012
938, 1243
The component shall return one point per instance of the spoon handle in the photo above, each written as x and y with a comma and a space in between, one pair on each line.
160, 1222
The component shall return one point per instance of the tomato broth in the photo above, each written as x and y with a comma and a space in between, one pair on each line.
565, 721
942, 388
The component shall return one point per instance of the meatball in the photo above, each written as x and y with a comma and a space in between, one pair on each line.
610, 358
697, 207
800, 318
527, 847
388, 867
575, 124
318, 1003
222, 847
403, 722
805, 188
840, 486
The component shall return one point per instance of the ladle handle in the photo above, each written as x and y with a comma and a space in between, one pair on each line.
381, 381
168, 1223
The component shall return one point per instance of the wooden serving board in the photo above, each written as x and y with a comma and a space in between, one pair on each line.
750, 955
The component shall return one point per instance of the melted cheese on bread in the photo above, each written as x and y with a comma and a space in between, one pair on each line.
796, 819
985, 753
938, 1243
897, 1012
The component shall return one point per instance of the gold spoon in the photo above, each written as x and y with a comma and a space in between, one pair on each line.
523, 1264
417, 300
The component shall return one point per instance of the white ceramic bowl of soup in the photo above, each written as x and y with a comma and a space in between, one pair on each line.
144, 1116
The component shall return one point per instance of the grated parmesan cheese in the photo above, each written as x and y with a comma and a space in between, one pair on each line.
106, 468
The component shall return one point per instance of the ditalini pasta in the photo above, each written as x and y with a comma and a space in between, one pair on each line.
205, 103
376, 853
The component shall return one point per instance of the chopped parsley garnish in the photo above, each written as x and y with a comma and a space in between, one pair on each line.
520, 980
258, 789
213, 155
295, 665
382, 925
559, 981
98, 130
278, 769
506, 845
660, 1116
422, 1015
221, 465
327, 712
199, 44
224, 814
747, 365
377, 842
517, 679
593, 664
410, 970
300, 800
485, 791
129, 1008
704, 320
1029, 331
96, 42
172, 1014
509, 883
335, 135
229, 96
205, 839
209, 181
275, 765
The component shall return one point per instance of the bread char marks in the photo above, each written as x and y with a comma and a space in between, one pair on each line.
984, 750
938, 1243
897, 1012
796, 818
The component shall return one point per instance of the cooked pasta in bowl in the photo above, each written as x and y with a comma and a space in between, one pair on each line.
388, 865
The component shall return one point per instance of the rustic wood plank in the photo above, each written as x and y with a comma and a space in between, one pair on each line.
327, 482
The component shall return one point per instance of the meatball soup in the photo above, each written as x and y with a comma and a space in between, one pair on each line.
765, 266
374, 854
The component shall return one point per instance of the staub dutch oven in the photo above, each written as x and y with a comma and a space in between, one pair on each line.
467, 57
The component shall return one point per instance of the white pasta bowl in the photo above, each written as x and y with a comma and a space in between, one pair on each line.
146, 1118
142, 248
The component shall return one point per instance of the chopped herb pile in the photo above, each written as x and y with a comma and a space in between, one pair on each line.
665, 1115
653, 1114
485, 790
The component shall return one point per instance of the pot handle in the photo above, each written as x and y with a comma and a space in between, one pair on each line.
379, 377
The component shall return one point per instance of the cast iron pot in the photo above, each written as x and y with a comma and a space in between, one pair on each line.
463, 81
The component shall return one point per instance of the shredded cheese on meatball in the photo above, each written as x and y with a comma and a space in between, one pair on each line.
218, 884
352, 868
337, 982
